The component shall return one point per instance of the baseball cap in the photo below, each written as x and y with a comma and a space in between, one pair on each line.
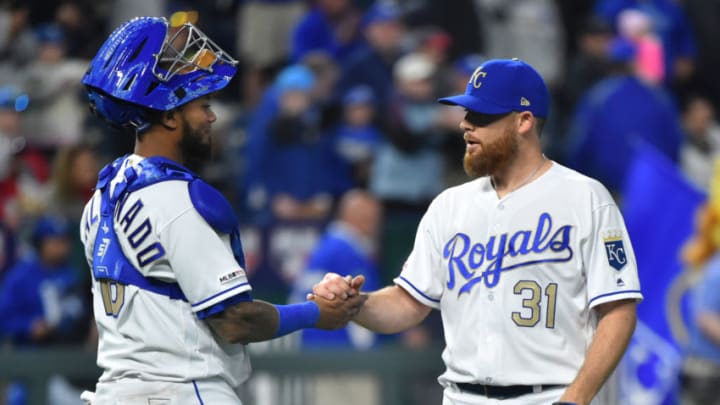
295, 78
50, 34
381, 12
500, 86
49, 226
360, 94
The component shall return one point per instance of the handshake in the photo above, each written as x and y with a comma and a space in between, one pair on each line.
338, 298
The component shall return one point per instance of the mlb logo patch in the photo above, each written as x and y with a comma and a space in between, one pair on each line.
226, 278
615, 250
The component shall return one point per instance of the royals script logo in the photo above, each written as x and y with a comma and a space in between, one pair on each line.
543, 245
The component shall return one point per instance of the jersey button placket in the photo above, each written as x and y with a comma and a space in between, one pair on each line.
494, 322
499, 211
495, 229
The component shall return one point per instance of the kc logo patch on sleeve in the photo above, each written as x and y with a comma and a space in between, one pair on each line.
614, 249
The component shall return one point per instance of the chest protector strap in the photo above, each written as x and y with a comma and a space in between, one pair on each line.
109, 262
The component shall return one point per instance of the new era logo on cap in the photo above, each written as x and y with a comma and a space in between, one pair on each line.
499, 86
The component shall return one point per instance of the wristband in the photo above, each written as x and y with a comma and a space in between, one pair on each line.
563, 403
296, 316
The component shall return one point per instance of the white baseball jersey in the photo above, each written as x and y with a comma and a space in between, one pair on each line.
147, 336
516, 278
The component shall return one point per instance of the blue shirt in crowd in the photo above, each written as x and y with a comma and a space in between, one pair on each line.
31, 292
314, 33
612, 119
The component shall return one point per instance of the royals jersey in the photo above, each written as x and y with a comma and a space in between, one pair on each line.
516, 278
151, 336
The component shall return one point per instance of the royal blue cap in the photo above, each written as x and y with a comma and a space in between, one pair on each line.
50, 34
381, 12
360, 94
500, 86
49, 226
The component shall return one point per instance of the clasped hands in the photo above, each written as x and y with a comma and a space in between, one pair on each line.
339, 299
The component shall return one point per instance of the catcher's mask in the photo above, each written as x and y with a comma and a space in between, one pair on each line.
146, 64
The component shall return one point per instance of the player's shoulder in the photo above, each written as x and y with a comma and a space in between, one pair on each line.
459, 192
164, 191
575, 185
166, 199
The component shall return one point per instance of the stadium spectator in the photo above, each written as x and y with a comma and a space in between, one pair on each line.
637, 27
289, 170
701, 144
357, 138
616, 114
408, 169
672, 26
372, 64
55, 116
348, 247
413, 137
24, 170
39, 303
331, 26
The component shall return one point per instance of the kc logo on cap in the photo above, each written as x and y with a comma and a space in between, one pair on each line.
477, 75
500, 86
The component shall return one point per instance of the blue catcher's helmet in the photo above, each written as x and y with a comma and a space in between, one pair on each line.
145, 64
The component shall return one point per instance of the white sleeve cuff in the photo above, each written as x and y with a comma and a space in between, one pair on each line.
408, 286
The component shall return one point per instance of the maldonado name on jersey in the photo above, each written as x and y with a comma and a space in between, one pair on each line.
465, 257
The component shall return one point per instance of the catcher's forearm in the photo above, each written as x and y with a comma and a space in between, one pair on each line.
612, 336
245, 322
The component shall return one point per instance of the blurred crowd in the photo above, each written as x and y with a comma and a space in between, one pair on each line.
330, 143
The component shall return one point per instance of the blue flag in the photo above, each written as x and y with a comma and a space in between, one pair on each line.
659, 206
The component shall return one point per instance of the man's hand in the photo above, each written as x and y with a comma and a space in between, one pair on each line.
334, 285
337, 313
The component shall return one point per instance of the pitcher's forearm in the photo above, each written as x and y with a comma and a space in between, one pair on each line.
391, 310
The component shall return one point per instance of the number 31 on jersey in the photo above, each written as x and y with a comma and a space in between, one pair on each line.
532, 303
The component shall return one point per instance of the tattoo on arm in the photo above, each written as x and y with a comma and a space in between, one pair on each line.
245, 322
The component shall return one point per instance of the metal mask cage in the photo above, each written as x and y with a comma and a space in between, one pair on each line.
186, 51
